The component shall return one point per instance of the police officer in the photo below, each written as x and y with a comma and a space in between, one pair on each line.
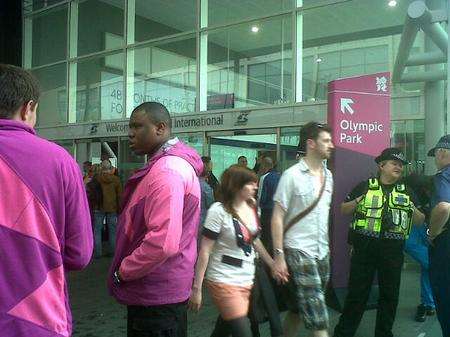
439, 233
383, 213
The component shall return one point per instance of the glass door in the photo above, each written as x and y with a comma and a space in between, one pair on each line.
95, 150
289, 140
227, 146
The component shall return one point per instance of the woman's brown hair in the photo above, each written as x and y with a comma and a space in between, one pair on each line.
232, 181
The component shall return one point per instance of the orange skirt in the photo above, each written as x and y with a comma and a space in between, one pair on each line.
231, 301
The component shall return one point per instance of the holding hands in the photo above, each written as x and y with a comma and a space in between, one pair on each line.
279, 269
195, 301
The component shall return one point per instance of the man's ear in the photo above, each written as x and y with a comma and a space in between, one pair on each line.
26, 110
310, 142
161, 127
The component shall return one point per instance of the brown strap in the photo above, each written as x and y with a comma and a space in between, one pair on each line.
307, 210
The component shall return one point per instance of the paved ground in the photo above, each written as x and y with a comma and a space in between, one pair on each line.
97, 315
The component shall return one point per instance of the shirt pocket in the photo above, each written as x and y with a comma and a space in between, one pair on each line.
304, 195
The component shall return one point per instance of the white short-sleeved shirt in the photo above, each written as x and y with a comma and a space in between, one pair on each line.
219, 222
297, 190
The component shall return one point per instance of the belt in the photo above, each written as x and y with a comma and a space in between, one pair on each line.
382, 235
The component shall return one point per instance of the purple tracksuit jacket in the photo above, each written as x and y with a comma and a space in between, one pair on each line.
45, 230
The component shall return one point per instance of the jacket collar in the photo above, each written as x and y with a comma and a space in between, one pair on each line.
13, 125
163, 149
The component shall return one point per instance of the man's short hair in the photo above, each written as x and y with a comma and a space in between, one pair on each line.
311, 130
17, 87
241, 157
156, 112
267, 162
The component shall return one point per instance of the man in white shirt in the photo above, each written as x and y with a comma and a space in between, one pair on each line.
302, 252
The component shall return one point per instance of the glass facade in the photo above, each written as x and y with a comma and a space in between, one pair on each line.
53, 81
99, 93
222, 12
154, 19
98, 59
164, 72
107, 32
46, 37
254, 66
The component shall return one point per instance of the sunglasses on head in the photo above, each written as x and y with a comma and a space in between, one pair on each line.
320, 125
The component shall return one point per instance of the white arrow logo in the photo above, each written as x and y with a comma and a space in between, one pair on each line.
345, 105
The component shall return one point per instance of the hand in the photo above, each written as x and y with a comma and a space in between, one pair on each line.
279, 270
195, 301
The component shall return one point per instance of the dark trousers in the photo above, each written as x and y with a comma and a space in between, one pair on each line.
263, 304
440, 279
266, 231
238, 327
169, 320
370, 256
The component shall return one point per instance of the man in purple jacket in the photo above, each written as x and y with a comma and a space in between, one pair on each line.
45, 227
156, 246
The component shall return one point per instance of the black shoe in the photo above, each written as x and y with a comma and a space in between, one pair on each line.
430, 310
421, 314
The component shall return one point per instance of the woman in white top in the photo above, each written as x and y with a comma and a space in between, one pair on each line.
227, 253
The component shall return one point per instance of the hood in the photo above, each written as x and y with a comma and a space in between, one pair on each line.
173, 147
186, 152
106, 178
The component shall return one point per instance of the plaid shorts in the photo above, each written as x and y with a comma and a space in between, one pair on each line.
306, 288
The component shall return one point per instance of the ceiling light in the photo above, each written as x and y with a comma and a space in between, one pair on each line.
255, 29
319, 59
392, 3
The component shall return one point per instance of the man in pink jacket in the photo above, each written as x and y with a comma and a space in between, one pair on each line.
45, 226
153, 266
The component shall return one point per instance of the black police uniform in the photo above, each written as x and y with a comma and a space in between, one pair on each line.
372, 255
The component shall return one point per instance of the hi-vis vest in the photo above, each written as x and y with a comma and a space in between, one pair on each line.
370, 211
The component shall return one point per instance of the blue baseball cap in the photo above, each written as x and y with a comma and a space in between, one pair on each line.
443, 143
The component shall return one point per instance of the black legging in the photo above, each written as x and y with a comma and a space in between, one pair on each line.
238, 327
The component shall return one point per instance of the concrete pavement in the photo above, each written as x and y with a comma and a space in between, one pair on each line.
96, 314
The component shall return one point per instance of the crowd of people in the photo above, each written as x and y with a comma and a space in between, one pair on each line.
256, 239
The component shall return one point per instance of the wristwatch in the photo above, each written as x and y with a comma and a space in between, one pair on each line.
278, 251
116, 277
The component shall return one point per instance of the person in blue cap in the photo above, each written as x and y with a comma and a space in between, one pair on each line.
439, 234
383, 212
416, 245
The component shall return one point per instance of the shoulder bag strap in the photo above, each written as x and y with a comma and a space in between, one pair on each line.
307, 210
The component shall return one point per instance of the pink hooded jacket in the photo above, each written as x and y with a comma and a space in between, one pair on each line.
156, 245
